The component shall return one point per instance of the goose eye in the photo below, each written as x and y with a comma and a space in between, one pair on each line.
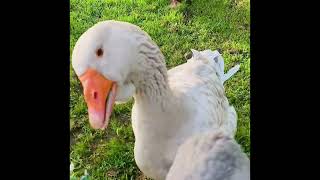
99, 52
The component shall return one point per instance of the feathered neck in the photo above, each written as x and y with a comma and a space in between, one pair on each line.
150, 78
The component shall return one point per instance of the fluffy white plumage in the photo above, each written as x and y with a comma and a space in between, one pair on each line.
196, 103
210, 156
170, 106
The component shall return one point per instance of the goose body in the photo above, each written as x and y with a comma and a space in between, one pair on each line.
169, 107
196, 104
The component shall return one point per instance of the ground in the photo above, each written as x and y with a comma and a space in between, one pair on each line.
215, 24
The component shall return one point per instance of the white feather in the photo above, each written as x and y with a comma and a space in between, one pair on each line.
217, 62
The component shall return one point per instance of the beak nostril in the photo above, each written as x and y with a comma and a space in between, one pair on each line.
95, 95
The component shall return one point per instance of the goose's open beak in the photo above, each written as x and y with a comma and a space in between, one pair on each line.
99, 94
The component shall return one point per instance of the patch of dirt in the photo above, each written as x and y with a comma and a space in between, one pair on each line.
112, 173
188, 55
73, 133
187, 14
142, 177
235, 51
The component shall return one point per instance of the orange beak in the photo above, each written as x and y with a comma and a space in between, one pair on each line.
99, 94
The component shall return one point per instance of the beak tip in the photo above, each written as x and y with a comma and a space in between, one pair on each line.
99, 93
96, 119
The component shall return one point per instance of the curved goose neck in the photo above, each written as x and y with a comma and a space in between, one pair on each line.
150, 78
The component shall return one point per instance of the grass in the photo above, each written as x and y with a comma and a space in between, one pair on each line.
216, 24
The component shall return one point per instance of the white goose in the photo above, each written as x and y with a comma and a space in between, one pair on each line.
210, 156
117, 60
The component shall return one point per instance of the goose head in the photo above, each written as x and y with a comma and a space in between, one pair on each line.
103, 58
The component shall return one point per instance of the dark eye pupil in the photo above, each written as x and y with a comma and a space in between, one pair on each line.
99, 52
